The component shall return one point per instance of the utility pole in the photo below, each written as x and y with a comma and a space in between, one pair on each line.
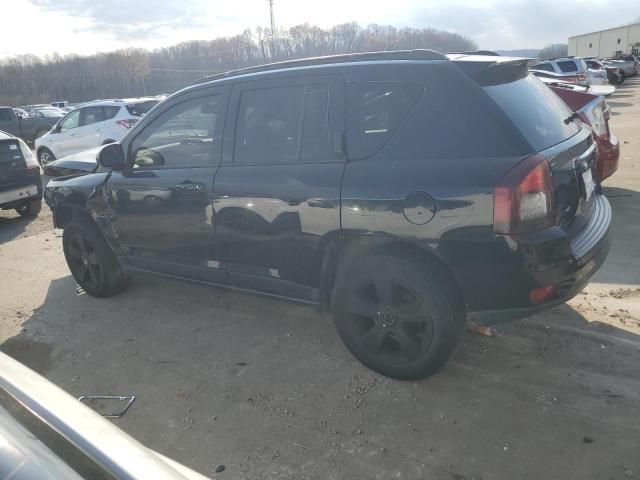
273, 30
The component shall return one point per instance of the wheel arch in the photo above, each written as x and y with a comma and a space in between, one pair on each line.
341, 250
69, 213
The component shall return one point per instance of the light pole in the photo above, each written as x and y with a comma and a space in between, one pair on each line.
273, 30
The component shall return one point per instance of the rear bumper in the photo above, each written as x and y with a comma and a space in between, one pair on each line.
608, 156
18, 194
584, 254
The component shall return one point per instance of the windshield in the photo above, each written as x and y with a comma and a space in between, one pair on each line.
536, 110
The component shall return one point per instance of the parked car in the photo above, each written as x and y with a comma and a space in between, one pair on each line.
29, 108
26, 128
571, 66
402, 191
91, 125
20, 113
593, 111
20, 185
601, 90
48, 434
578, 79
615, 75
629, 67
60, 104
47, 112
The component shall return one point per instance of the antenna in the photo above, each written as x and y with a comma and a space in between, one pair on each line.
273, 30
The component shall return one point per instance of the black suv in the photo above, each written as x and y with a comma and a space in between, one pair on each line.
402, 191
20, 184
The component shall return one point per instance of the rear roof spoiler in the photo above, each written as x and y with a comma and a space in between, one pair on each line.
492, 69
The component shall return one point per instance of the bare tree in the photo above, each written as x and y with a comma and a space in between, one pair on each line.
29, 79
554, 50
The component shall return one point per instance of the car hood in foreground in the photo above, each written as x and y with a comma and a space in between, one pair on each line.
81, 162
29, 402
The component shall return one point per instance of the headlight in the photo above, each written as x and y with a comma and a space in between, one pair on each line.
29, 159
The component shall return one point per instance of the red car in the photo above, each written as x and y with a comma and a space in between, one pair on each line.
593, 110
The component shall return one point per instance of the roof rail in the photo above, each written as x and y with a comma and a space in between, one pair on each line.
487, 53
418, 54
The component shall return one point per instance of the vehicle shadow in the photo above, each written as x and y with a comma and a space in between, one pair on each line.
12, 225
259, 385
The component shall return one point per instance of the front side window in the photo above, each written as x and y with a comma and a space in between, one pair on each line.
5, 115
375, 110
71, 121
186, 135
92, 115
567, 66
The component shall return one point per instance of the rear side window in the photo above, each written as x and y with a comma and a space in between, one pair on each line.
567, 66
110, 112
536, 110
92, 115
139, 109
375, 110
269, 125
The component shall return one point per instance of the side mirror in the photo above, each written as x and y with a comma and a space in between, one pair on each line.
112, 157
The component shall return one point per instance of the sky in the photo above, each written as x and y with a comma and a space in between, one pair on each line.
42, 27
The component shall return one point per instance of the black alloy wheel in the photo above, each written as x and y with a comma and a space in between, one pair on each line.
398, 316
84, 262
390, 320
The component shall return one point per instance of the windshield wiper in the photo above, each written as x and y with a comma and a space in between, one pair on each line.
571, 118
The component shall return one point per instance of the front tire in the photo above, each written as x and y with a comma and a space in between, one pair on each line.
397, 316
30, 208
45, 156
91, 260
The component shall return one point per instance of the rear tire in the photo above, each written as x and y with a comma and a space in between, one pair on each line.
92, 262
396, 316
45, 156
30, 208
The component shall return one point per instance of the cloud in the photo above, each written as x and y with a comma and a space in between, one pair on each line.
131, 19
522, 23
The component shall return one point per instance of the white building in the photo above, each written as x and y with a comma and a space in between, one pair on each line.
607, 43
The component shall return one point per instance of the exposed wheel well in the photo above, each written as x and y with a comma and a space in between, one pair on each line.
339, 253
64, 215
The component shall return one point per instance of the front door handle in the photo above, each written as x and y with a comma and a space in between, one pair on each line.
190, 186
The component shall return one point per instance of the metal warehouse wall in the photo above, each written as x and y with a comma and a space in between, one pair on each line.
606, 42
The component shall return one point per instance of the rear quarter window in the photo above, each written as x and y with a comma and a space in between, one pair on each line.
547, 67
375, 110
567, 66
536, 110
140, 109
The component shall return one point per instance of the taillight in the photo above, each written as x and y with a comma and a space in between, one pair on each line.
581, 77
523, 199
128, 123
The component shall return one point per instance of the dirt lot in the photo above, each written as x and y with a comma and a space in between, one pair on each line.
268, 390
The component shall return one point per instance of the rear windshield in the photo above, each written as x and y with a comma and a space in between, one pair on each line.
535, 110
139, 109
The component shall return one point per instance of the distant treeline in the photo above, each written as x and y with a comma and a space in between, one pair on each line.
134, 72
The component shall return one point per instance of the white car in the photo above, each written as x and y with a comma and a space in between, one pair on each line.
91, 125
574, 67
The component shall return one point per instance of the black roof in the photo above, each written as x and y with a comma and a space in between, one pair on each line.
418, 54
